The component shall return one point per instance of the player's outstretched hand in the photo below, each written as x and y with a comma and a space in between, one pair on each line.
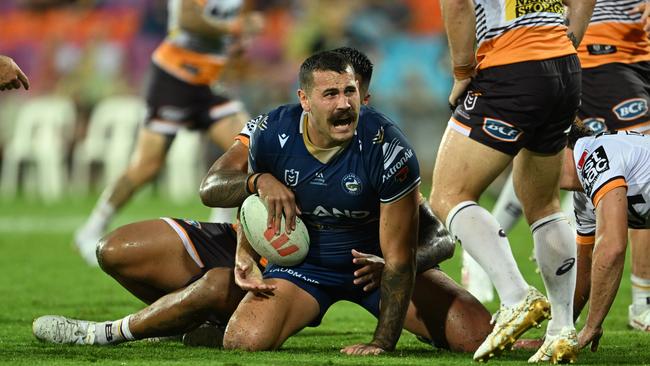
11, 76
279, 200
363, 349
644, 9
589, 335
249, 277
369, 275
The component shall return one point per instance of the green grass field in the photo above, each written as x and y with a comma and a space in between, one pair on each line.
42, 274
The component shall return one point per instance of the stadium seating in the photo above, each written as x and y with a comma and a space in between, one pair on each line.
43, 131
112, 130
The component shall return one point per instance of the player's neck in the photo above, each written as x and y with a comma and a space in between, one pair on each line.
322, 154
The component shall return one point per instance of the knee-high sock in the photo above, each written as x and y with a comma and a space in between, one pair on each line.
482, 237
640, 293
507, 210
555, 249
223, 214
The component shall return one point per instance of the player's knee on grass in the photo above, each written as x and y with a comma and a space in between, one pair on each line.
246, 339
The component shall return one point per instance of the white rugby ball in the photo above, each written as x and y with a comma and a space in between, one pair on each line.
283, 249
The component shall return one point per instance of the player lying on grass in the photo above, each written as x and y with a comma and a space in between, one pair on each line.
610, 174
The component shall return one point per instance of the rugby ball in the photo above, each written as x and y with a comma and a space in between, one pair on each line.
282, 249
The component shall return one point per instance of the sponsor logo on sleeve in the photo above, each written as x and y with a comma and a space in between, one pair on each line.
595, 164
500, 130
291, 177
395, 158
351, 184
595, 124
631, 109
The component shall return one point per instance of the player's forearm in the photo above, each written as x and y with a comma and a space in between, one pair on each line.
224, 188
583, 279
577, 19
396, 288
607, 269
460, 25
434, 242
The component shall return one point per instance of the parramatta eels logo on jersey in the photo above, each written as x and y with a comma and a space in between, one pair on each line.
595, 124
351, 184
594, 166
291, 177
631, 109
500, 130
518, 8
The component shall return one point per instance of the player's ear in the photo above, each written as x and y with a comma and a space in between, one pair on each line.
304, 102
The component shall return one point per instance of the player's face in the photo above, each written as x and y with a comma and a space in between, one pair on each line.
569, 179
333, 107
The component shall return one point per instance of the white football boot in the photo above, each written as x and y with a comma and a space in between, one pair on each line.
639, 319
476, 280
59, 329
562, 348
511, 322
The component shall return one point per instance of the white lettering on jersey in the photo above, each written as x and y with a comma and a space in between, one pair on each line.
390, 172
321, 211
595, 164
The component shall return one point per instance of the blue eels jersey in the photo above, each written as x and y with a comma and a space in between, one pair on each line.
340, 199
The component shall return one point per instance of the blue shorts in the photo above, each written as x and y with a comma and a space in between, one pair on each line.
327, 286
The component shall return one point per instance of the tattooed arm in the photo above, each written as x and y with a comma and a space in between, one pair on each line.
577, 19
398, 227
225, 183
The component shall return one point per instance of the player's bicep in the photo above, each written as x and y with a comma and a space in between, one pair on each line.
611, 219
398, 227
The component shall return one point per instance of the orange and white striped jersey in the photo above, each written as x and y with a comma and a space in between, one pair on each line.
607, 161
614, 35
191, 57
510, 31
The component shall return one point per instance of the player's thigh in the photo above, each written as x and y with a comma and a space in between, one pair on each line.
264, 322
149, 252
149, 152
223, 131
464, 168
536, 178
444, 312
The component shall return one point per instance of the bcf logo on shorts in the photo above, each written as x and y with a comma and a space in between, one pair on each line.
501, 130
631, 109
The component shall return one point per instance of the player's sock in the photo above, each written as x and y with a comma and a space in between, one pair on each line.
640, 293
99, 218
223, 215
507, 209
555, 250
481, 236
567, 207
113, 332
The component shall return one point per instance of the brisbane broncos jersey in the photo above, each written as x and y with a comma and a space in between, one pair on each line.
607, 161
339, 199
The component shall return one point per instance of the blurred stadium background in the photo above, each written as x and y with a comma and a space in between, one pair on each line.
88, 52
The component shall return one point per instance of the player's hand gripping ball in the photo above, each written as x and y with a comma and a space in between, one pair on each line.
283, 249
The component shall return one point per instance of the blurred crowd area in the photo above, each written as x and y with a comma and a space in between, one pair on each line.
90, 50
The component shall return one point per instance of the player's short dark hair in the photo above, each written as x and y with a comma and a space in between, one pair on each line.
577, 131
321, 61
360, 62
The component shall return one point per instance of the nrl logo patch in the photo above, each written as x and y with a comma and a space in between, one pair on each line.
291, 177
631, 109
501, 130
